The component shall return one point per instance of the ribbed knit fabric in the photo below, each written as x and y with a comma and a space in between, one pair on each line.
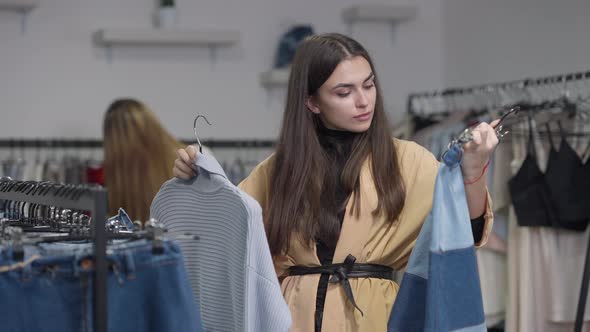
230, 266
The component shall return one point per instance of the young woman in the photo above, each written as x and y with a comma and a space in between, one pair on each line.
138, 152
340, 189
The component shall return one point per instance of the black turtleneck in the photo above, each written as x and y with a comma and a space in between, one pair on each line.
338, 146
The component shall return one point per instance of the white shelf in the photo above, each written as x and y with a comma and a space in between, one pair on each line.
18, 5
170, 37
379, 13
275, 77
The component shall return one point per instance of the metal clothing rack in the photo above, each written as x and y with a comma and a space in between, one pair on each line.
521, 84
93, 199
527, 82
96, 143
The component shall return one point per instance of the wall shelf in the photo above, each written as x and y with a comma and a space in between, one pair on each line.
275, 77
379, 13
166, 37
23, 7
18, 5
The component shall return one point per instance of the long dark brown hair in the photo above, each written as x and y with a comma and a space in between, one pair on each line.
299, 181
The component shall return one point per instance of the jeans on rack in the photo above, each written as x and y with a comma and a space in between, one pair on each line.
146, 291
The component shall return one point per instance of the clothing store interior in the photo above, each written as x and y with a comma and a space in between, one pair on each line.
336, 165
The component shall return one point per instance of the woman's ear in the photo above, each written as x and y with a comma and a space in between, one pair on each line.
312, 105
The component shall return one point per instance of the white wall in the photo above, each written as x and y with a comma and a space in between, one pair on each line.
55, 83
492, 41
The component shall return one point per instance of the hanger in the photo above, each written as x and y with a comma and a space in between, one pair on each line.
466, 136
498, 127
195, 129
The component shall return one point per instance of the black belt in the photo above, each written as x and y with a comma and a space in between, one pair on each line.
340, 273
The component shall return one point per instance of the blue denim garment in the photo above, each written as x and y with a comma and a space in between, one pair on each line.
439, 141
440, 290
289, 43
30, 302
84, 248
146, 292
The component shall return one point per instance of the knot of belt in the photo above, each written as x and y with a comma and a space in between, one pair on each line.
340, 273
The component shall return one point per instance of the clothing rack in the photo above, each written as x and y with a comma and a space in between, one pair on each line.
491, 88
522, 84
93, 199
96, 143
526, 82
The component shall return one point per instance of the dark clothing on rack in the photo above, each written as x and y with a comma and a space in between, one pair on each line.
421, 122
95, 174
556, 198
338, 145
568, 184
529, 191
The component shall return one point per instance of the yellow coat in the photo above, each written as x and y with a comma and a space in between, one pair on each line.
370, 239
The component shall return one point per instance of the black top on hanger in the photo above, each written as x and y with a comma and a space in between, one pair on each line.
568, 184
529, 191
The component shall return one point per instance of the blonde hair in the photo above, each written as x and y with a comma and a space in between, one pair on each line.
138, 157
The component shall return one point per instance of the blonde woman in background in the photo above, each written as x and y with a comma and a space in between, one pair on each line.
138, 152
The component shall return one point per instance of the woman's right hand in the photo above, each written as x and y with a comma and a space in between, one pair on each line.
183, 165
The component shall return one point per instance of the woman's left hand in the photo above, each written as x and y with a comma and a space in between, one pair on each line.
478, 152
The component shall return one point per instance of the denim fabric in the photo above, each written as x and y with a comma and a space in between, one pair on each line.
150, 292
43, 294
84, 248
440, 290
146, 292
440, 140
6, 255
289, 43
